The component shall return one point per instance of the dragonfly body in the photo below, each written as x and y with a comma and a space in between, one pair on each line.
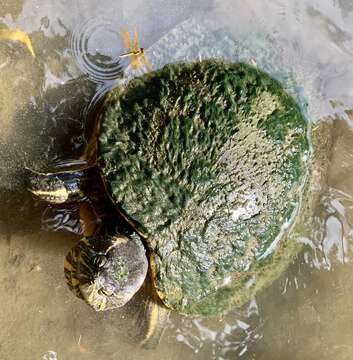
132, 53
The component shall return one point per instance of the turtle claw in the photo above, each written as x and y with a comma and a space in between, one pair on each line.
19, 36
69, 165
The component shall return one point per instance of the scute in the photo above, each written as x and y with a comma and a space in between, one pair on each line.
210, 158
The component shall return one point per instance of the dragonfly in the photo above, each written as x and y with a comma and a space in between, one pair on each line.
135, 53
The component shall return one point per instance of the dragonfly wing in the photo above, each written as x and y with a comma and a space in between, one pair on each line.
125, 37
136, 40
135, 64
146, 62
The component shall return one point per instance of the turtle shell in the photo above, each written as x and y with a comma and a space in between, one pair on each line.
210, 159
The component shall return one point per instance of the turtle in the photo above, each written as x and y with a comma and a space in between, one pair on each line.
210, 172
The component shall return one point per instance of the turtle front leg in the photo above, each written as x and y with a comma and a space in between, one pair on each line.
56, 188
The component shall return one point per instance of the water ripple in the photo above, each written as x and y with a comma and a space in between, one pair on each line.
95, 46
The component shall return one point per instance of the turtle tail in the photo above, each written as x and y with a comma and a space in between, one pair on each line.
156, 318
151, 320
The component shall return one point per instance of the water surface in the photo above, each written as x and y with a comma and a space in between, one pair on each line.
307, 45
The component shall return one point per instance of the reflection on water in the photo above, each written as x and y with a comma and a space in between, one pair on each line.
225, 338
308, 45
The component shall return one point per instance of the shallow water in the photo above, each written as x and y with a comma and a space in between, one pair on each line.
304, 314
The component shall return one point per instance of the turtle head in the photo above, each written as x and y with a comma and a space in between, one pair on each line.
106, 271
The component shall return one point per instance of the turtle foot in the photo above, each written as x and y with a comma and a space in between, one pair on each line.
55, 188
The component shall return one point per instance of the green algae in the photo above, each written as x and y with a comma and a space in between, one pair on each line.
210, 159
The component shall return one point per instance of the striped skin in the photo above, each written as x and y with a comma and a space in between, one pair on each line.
106, 271
56, 188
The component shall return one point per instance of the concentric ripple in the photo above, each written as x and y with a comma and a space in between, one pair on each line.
96, 45
97, 98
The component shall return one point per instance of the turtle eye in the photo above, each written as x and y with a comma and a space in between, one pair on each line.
100, 260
